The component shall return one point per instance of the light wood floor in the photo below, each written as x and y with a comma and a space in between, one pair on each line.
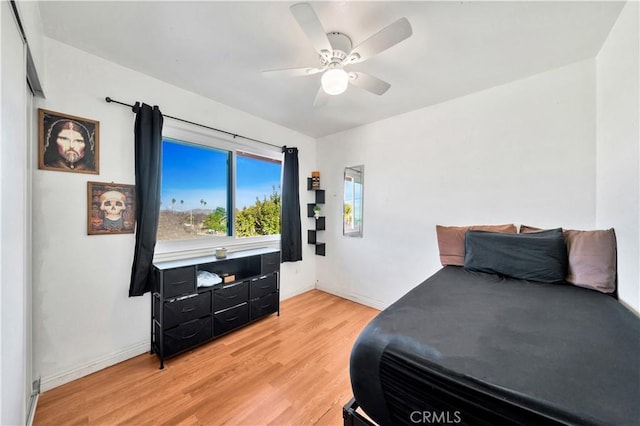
287, 370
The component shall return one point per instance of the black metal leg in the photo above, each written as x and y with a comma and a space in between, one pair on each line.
351, 417
160, 352
152, 316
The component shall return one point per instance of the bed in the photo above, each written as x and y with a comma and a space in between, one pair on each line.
469, 347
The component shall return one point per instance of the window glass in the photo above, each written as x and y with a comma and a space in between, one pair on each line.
198, 196
257, 195
195, 191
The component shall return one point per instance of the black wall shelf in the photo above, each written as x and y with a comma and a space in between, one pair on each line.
310, 212
312, 234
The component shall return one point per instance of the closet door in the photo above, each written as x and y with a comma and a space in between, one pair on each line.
30, 388
14, 310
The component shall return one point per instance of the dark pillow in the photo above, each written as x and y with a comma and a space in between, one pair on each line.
541, 256
451, 240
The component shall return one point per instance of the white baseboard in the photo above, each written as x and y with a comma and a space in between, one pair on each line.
33, 404
55, 380
296, 292
629, 307
363, 300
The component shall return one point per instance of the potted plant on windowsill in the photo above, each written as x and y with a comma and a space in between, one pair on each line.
316, 211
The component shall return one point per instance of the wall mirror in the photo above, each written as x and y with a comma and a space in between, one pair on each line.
352, 205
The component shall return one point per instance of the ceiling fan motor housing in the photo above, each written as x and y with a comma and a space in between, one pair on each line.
341, 44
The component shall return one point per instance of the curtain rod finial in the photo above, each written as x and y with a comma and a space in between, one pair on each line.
136, 107
108, 99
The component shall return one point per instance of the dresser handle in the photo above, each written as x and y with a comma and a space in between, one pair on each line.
231, 319
178, 282
185, 310
190, 336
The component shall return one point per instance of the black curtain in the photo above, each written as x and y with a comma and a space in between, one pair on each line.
290, 229
148, 151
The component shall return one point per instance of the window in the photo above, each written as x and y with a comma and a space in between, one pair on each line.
257, 195
199, 197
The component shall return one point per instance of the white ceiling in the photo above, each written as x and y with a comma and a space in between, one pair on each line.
218, 49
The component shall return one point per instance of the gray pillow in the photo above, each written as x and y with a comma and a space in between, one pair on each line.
541, 256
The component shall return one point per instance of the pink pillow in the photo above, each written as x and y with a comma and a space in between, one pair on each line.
592, 258
451, 240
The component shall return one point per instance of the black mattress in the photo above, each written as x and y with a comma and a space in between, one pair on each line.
475, 348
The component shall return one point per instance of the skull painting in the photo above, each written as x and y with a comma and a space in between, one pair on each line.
111, 208
112, 204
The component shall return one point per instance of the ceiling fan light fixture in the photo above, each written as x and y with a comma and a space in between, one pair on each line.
335, 81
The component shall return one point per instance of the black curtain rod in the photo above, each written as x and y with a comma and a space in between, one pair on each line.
108, 99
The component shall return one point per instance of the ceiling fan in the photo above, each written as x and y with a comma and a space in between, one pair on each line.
336, 52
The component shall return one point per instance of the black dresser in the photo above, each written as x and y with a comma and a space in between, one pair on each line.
184, 315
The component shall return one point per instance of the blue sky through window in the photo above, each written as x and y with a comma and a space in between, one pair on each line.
194, 172
255, 178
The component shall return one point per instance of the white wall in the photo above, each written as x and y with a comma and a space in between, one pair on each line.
523, 152
14, 334
83, 318
618, 154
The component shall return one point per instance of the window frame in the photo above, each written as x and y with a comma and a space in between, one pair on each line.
180, 249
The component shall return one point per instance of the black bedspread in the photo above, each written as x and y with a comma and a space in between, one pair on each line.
522, 351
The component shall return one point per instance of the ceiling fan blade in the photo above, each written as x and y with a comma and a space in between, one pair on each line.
368, 82
380, 41
321, 98
312, 27
292, 72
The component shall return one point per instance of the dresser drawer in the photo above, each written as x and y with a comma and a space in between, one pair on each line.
187, 308
270, 262
263, 285
264, 306
231, 318
179, 281
186, 335
226, 297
